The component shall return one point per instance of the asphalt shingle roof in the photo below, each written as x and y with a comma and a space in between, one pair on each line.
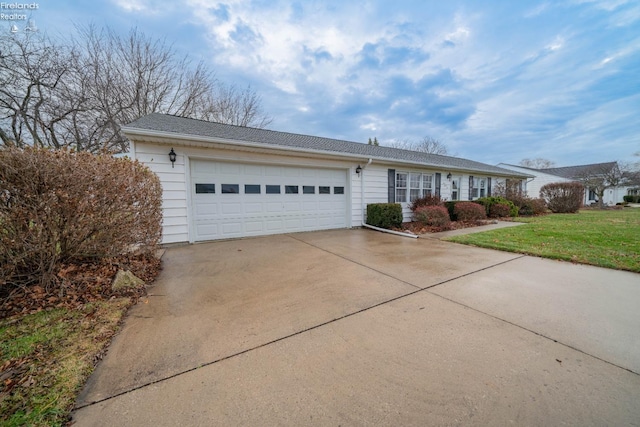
574, 172
212, 130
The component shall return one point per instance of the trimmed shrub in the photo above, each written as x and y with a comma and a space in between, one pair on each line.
432, 200
500, 210
384, 215
63, 207
489, 202
528, 206
538, 206
451, 208
469, 211
563, 197
631, 198
436, 216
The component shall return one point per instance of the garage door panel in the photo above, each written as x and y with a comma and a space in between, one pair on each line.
293, 224
231, 208
230, 168
253, 170
251, 211
310, 206
202, 209
253, 226
274, 225
292, 207
274, 207
252, 208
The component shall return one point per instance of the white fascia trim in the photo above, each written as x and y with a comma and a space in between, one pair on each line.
187, 137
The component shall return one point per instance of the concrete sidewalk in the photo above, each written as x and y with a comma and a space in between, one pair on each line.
356, 327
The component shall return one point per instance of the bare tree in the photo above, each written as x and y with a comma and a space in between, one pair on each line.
35, 79
425, 145
77, 94
603, 176
228, 104
538, 163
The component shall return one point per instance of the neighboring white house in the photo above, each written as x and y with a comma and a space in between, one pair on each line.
231, 181
533, 185
570, 174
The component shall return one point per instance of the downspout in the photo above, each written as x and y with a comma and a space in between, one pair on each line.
362, 206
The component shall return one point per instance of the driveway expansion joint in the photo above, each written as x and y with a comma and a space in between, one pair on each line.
541, 335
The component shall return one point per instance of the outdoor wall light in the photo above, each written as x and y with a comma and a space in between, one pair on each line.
449, 176
358, 170
172, 156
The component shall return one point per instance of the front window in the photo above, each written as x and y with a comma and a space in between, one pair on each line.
455, 188
418, 185
479, 188
401, 187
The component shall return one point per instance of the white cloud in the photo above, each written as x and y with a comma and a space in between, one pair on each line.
154, 7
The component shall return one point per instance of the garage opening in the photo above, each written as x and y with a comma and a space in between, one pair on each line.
242, 199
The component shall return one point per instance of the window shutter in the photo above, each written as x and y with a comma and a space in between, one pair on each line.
470, 187
437, 184
488, 187
391, 185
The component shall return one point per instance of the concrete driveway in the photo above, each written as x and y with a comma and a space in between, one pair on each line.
355, 327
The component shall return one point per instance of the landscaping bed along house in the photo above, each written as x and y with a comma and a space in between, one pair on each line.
78, 244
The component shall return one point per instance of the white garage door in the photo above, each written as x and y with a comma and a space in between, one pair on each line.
238, 199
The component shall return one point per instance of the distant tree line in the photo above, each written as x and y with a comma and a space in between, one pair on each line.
77, 93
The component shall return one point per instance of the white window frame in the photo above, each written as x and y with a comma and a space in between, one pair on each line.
479, 188
456, 181
416, 185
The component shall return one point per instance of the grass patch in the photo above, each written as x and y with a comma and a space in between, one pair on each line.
604, 238
46, 357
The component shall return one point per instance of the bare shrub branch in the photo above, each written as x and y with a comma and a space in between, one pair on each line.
61, 206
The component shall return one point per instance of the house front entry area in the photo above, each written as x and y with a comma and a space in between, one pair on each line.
231, 200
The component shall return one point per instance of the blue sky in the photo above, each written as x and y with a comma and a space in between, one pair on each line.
495, 81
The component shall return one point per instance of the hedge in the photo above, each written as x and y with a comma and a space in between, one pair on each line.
631, 199
489, 202
384, 215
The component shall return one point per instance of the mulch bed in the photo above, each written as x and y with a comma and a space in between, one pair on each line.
419, 228
78, 284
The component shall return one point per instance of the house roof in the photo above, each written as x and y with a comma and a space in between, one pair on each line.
574, 172
167, 125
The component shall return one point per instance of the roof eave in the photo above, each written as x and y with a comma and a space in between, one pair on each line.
131, 132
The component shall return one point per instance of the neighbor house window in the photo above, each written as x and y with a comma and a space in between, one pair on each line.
479, 188
418, 184
592, 194
633, 191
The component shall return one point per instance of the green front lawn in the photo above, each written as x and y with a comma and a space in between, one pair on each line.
604, 238
46, 357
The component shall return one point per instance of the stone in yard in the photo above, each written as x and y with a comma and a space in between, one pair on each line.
126, 279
